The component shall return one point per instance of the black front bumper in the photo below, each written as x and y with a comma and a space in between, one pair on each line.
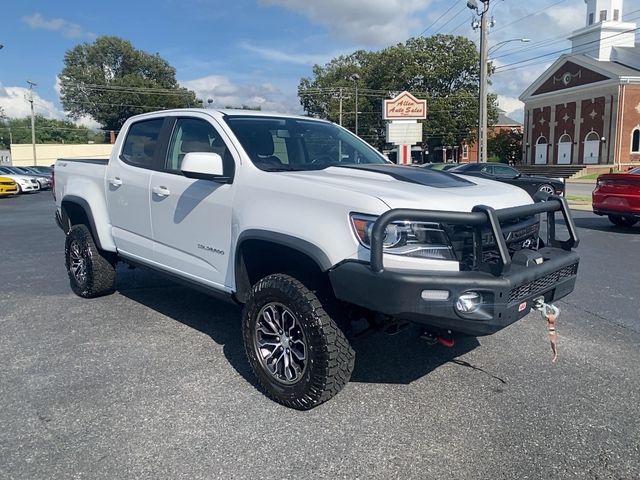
507, 291
506, 298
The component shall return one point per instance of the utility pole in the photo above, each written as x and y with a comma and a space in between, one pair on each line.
484, 54
33, 121
340, 96
354, 78
5, 119
484, 58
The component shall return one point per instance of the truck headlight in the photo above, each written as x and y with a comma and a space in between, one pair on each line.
407, 238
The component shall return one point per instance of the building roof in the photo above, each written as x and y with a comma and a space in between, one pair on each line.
599, 71
504, 121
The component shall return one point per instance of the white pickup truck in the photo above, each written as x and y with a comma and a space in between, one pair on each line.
308, 226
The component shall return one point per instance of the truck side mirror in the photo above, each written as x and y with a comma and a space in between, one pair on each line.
204, 166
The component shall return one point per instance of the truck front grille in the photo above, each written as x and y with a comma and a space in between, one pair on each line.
519, 234
542, 284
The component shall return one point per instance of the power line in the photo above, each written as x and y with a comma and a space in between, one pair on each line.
529, 15
438, 19
504, 68
549, 41
464, 9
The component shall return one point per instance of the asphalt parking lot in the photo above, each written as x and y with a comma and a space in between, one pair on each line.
151, 382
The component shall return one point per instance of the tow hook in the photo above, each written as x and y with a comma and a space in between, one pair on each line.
431, 338
550, 313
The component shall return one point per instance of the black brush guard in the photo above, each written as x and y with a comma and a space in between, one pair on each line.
508, 288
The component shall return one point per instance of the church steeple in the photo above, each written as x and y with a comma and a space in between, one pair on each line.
604, 30
603, 11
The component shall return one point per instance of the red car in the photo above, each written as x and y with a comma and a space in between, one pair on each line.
618, 196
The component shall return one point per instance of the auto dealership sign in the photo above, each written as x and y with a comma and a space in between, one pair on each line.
405, 107
403, 128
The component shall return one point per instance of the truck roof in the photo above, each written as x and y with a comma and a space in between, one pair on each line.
225, 111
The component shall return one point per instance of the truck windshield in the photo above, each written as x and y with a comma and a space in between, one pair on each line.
286, 144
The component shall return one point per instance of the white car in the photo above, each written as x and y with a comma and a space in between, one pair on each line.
307, 226
25, 183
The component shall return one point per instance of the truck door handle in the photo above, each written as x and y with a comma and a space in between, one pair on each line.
115, 181
161, 191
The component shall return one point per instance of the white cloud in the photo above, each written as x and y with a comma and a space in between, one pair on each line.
226, 93
14, 102
295, 58
367, 22
68, 29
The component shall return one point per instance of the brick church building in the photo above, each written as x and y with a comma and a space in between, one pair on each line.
585, 108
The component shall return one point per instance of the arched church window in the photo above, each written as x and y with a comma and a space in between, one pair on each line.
635, 141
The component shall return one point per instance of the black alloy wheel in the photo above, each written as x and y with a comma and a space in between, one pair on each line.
299, 355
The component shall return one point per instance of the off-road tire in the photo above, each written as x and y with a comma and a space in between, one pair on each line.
622, 221
100, 275
330, 356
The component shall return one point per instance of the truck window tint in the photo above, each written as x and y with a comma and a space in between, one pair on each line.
193, 135
140, 145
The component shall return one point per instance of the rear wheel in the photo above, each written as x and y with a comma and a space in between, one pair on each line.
299, 355
622, 220
91, 274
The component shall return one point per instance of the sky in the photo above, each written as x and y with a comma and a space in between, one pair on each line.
256, 51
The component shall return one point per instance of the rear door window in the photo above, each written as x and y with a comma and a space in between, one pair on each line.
139, 148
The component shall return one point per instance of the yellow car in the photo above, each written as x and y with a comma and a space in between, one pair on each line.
7, 187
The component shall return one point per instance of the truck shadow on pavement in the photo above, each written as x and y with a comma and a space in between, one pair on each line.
380, 358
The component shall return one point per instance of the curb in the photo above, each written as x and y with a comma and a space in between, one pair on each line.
581, 206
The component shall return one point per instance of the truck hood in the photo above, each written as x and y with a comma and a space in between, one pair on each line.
408, 187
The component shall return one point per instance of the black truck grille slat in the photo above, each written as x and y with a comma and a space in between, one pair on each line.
542, 284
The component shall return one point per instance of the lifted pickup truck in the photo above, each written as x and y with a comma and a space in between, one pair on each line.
307, 226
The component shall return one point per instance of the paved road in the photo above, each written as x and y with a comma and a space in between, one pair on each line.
151, 382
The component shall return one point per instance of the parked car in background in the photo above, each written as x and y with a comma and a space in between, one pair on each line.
41, 169
617, 195
506, 174
25, 183
8, 187
44, 179
440, 166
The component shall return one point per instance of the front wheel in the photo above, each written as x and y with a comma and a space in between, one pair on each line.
622, 221
299, 355
91, 274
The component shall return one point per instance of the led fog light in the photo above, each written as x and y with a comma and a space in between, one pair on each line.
469, 302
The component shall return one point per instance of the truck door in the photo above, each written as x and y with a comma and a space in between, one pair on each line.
127, 189
191, 218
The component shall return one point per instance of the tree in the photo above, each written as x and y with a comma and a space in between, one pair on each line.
442, 68
506, 145
47, 131
110, 80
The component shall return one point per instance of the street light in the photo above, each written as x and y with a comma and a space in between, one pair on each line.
354, 78
499, 45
